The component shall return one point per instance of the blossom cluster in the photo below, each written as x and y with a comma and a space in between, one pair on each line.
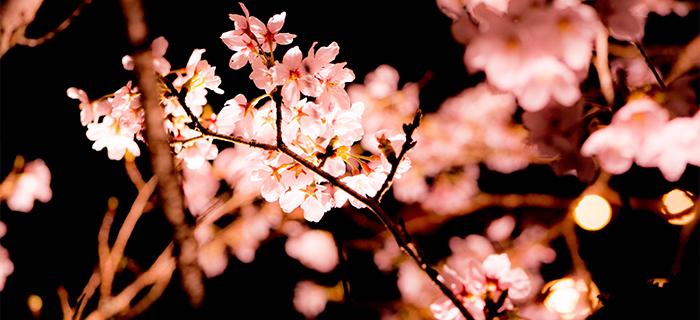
318, 122
483, 281
541, 53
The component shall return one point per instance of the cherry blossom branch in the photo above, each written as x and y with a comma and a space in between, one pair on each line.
170, 190
408, 129
649, 64
396, 230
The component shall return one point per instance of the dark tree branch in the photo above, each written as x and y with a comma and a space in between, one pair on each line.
170, 190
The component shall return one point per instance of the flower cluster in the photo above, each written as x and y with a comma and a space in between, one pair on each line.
482, 282
114, 121
641, 132
316, 122
539, 51
26, 183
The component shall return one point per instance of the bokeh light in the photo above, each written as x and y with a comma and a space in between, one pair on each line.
35, 304
593, 212
675, 202
570, 299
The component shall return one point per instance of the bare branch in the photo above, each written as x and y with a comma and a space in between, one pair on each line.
15, 16
35, 42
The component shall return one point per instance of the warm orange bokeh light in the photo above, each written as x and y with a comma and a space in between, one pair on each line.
676, 202
563, 297
593, 212
568, 298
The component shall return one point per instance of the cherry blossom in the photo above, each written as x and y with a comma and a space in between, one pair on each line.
487, 280
109, 134
269, 35
293, 79
6, 265
31, 184
90, 111
315, 249
309, 298
160, 64
618, 144
674, 146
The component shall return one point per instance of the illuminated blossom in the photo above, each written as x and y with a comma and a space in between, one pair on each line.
672, 147
6, 265
482, 281
108, 134
90, 111
160, 64
32, 184
315, 249
309, 298
618, 144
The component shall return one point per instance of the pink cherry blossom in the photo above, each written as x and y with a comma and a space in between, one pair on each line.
195, 153
318, 60
6, 265
108, 134
200, 187
309, 298
415, 286
501, 228
246, 49
366, 185
675, 145
262, 76
160, 64
293, 78
333, 81
269, 36
90, 111
544, 79
32, 184
618, 144
232, 112
315, 249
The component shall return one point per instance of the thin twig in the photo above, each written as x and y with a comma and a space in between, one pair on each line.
87, 293
35, 42
65, 305
103, 249
117, 252
649, 64
408, 129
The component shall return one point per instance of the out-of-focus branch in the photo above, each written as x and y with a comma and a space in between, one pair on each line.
602, 65
112, 260
15, 16
688, 59
103, 249
65, 305
22, 40
133, 172
160, 271
89, 290
170, 190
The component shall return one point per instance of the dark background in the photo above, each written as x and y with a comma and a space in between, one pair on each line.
55, 244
